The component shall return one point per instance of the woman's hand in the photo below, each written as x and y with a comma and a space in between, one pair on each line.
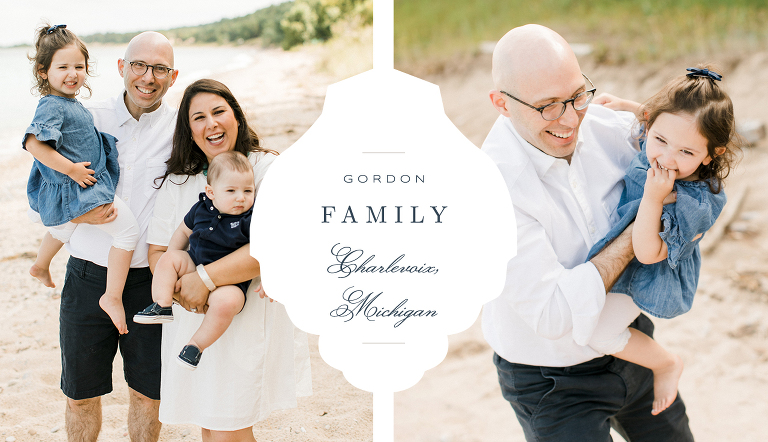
81, 174
616, 103
260, 291
193, 294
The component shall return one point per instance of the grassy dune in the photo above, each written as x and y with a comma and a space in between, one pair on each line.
428, 31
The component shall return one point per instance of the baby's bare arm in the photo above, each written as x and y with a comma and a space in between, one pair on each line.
180, 238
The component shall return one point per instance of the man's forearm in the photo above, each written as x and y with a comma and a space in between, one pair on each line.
234, 268
613, 259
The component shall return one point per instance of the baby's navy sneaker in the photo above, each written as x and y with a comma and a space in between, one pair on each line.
189, 357
154, 314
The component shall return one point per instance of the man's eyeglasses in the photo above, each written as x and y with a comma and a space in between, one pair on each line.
553, 111
140, 68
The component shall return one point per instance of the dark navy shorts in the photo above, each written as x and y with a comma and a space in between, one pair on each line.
582, 402
89, 340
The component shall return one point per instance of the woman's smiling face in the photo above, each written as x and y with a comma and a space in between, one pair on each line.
213, 124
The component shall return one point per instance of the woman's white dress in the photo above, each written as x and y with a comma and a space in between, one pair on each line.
260, 364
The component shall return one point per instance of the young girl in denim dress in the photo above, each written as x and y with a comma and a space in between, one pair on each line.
689, 146
75, 168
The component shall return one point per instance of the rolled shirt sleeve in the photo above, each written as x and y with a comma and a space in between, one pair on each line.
552, 299
553, 296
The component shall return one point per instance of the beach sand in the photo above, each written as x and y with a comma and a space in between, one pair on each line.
282, 93
723, 340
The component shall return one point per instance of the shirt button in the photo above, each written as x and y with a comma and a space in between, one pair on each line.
210, 228
219, 217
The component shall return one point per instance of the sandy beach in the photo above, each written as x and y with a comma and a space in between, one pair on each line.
723, 340
282, 93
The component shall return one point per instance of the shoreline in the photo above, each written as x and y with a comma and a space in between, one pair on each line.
282, 93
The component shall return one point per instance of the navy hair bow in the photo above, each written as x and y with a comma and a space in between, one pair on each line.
53, 28
696, 72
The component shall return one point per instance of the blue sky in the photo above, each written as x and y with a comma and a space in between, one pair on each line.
84, 17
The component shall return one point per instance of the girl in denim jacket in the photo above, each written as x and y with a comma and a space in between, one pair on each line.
688, 147
75, 168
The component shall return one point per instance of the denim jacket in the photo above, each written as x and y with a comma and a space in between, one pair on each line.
665, 289
67, 126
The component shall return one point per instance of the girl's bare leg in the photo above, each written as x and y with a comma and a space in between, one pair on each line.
667, 367
223, 304
611, 336
49, 247
111, 301
170, 267
125, 234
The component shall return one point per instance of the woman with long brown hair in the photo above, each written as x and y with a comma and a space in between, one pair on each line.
247, 372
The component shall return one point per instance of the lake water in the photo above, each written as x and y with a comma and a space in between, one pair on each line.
193, 62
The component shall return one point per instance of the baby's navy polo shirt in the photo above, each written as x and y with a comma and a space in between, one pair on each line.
214, 234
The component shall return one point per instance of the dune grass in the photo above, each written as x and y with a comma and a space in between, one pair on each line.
618, 30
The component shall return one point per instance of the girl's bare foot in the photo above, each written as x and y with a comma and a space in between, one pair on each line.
44, 275
114, 308
665, 385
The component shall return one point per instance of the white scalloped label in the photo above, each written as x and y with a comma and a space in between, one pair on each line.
383, 230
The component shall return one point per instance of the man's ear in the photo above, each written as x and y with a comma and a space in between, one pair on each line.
499, 101
120, 66
174, 74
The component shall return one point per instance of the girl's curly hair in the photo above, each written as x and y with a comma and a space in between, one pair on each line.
46, 44
712, 109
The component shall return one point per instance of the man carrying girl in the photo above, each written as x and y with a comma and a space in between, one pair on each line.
562, 160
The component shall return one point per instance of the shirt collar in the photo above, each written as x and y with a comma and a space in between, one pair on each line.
124, 115
542, 162
214, 211
208, 203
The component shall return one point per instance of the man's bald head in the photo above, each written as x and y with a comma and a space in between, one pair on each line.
538, 68
152, 40
527, 52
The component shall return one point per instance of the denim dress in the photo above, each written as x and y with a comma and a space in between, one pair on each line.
67, 126
665, 289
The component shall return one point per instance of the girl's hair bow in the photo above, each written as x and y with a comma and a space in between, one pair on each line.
696, 72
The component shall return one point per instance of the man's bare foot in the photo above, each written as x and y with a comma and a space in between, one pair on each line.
114, 308
44, 275
665, 385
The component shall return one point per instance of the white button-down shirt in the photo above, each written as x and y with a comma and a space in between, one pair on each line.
143, 146
552, 298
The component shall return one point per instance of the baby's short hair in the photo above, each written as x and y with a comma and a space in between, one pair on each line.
228, 161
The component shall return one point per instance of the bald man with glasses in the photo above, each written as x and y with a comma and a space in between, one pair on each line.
143, 125
563, 162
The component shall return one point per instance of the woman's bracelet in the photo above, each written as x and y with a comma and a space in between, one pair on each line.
205, 278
